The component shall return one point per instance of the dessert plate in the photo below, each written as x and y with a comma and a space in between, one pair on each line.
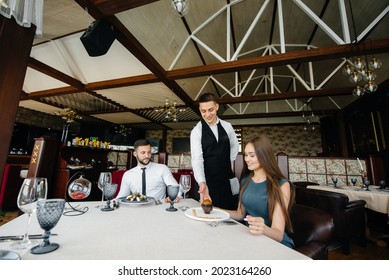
198, 214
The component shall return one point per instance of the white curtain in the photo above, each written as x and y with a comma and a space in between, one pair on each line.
25, 12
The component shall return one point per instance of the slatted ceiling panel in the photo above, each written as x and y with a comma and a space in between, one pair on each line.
147, 126
187, 115
82, 102
142, 96
122, 117
38, 106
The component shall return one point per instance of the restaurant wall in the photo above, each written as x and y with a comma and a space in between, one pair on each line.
292, 140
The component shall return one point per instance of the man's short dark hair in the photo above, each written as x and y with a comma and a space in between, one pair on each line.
206, 97
141, 142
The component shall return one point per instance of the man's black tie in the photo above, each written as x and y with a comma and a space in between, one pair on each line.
143, 180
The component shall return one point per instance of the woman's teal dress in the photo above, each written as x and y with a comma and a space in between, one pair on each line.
254, 200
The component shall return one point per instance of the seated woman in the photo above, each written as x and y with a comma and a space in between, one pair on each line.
266, 196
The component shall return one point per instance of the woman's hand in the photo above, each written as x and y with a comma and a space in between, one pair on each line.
256, 224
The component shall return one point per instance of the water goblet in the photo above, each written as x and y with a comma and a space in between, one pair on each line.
354, 181
48, 212
104, 178
382, 184
31, 191
366, 182
335, 181
172, 192
109, 191
185, 183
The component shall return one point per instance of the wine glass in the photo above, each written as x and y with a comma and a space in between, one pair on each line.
32, 191
335, 181
366, 182
104, 178
48, 213
354, 181
185, 183
109, 193
382, 184
172, 192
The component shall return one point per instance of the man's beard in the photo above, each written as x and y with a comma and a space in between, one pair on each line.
143, 161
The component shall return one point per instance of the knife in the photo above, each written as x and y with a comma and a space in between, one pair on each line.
20, 237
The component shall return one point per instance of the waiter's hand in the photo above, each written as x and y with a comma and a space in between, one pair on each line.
203, 191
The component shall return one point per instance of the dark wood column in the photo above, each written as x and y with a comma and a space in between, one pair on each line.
15, 47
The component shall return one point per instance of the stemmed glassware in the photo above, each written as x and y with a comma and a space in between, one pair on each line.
31, 191
109, 193
335, 181
382, 184
48, 213
354, 181
185, 183
104, 178
172, 192
366, 182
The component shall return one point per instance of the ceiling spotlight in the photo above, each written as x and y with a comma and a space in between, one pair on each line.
180, 7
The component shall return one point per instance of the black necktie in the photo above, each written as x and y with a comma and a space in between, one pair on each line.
143, 180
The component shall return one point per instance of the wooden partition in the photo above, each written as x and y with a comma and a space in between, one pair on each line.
322, 169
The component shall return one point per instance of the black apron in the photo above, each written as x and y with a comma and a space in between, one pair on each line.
217, 166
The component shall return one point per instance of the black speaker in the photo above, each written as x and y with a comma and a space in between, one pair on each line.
98, 38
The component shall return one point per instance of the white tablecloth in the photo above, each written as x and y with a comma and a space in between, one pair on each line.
375, 199
148, 232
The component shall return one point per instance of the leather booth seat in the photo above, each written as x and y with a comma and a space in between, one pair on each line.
10, 187
304, 184
349, 216
312, 231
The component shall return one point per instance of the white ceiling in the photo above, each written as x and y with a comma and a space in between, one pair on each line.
154, 45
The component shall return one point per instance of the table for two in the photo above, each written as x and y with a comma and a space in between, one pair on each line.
148, 232
376, 199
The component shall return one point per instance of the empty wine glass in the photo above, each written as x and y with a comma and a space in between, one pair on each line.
109, 191
354, 181
32, 191
104, 178
382, 184
185, 183
48, 213
366, 182
172, 192
335, 181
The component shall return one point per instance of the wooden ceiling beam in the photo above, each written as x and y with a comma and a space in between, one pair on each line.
287, 95
301, 56
54, 73
109, 7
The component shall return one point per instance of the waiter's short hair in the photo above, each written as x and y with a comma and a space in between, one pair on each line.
206, 97
141, 142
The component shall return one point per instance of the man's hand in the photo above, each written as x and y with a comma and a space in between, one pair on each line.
203, 191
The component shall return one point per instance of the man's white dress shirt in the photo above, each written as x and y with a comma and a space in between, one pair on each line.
158, 176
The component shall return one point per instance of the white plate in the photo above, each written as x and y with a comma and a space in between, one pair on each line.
198, 214
124, 200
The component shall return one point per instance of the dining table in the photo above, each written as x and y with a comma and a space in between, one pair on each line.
376, 199
146, 231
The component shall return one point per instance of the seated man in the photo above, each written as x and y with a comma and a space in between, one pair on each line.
148, 178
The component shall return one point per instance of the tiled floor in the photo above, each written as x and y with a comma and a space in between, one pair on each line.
377, 247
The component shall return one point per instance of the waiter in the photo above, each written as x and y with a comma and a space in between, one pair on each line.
214, 147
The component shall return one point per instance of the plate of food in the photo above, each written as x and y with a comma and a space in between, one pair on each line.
136, 199
198, 214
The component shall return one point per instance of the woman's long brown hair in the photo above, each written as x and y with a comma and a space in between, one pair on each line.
267, 160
